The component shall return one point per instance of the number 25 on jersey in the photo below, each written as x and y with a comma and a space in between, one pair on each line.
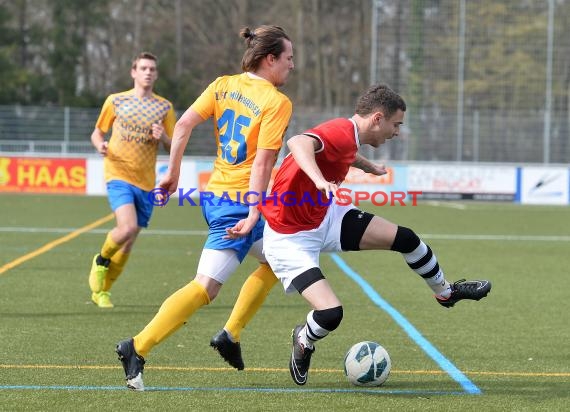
232, 139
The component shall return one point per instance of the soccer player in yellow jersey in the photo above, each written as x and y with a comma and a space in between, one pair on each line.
139, 120
250, 118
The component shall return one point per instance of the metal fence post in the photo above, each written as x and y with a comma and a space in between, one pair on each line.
65, 129
548, 98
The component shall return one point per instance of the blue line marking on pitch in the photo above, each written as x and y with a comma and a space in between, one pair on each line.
412, 332
197, 389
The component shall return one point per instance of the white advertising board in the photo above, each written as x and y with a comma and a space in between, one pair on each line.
544, 185
449, 181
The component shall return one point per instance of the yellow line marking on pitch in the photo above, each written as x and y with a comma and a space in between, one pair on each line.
48, 246
317, 370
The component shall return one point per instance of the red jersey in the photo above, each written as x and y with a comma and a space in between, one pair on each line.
295, 204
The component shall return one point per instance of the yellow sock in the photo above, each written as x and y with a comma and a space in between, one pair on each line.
116, 266
252, 295
171, 316
110, 247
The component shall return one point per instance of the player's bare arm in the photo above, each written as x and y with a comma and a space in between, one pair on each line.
367, 166
182, 131
258, 183
99, 142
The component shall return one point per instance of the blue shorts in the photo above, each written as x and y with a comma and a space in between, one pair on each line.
122, 193
219, 218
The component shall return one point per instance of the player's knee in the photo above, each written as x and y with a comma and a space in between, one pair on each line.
328, 319
405, 241
211, 286
128, 232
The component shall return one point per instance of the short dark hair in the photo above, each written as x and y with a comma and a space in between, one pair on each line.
261, 42
380, 96
143, 55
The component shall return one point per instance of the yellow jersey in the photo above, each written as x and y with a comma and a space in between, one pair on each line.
248, 114
132, 151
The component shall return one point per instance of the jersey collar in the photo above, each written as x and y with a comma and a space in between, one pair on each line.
356, 137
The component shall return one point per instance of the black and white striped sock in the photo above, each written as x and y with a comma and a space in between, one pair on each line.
421, 260
424, 263
319, 324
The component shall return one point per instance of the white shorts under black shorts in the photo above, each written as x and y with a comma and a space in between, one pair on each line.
291, 254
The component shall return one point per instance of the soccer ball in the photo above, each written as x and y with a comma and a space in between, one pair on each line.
367, 364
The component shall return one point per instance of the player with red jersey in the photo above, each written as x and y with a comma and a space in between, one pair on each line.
307, 221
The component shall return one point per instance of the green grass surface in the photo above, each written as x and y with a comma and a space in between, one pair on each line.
57, 349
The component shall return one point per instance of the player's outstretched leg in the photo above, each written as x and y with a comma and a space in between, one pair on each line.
465, 289
228, 349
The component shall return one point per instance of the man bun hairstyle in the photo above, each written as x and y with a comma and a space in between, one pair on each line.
261, 42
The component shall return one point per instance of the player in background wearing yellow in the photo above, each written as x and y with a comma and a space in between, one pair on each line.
250, 120
139, 120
